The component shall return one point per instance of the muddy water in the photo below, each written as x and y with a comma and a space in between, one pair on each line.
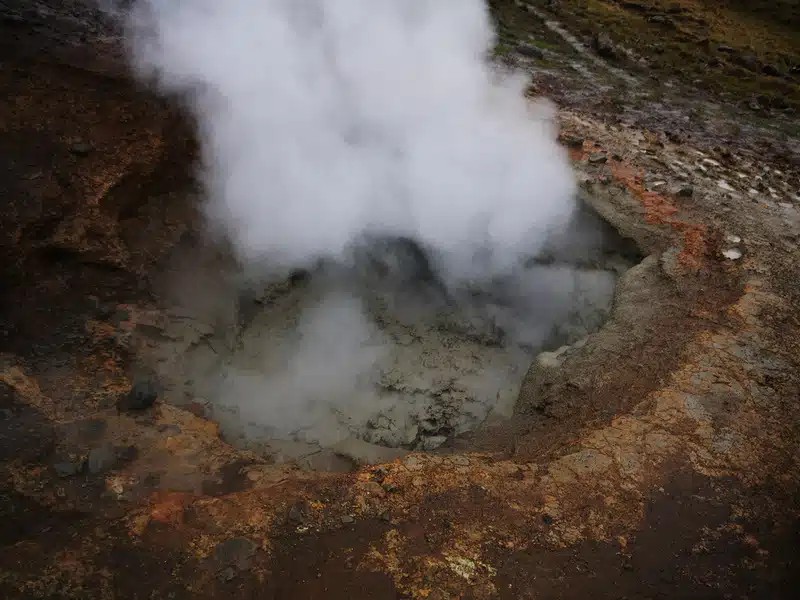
353, 360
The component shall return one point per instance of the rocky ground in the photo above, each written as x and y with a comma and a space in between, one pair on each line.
658, 458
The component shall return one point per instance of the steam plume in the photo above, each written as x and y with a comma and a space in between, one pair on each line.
325, 123
325, 119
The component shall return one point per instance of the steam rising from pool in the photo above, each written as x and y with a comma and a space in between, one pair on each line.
335, 136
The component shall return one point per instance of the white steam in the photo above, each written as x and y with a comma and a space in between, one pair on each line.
325, 119
324, 123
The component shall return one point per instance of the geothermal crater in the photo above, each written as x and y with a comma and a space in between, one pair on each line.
371, 356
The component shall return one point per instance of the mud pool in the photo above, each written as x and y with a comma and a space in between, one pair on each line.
363, 361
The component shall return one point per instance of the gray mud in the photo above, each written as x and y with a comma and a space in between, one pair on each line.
356, 359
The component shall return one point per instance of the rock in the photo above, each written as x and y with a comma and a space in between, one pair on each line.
597, 158
724, 185
685, 191
236, 552
126, 454
142, 395
460, 461
725, 49
298, 513
733, 239
603, 45
413, 462
362, 452
68, 469
372, 488
748, 61
101, 459
227, 574
347, 519
732, 254
81, 148
431, 442
572, 141
530, 51
771, 70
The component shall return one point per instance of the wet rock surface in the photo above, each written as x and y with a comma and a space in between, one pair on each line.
655, 459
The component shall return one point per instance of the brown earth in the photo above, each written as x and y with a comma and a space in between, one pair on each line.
657, 460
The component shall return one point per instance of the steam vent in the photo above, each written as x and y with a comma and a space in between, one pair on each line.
446, 299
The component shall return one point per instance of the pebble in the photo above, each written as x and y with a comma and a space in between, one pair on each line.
81, 148
461, 461
372, 487
101, 459
732, 254
413, 463
431, 442
297, 513
724, 185
141, 396
235, 552
685, 191
572, 141
597, 158
347, 519
530, 51
68, 469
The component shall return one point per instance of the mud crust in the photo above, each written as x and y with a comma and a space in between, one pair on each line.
657, 459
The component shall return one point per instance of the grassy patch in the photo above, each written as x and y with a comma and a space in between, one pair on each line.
738, 49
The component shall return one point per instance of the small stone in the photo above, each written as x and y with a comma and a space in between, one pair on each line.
597, 158
771, 70
530, 51
685, 191
126, 454
235, 552
390, 488
67, 469
413, 463
101, 459
732, 254
81, 148
372, 488
724, 185
460, 461
227, 574
347, 519
431, 442
142, 396
603, 45
733, 239
297, 513
572, 141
